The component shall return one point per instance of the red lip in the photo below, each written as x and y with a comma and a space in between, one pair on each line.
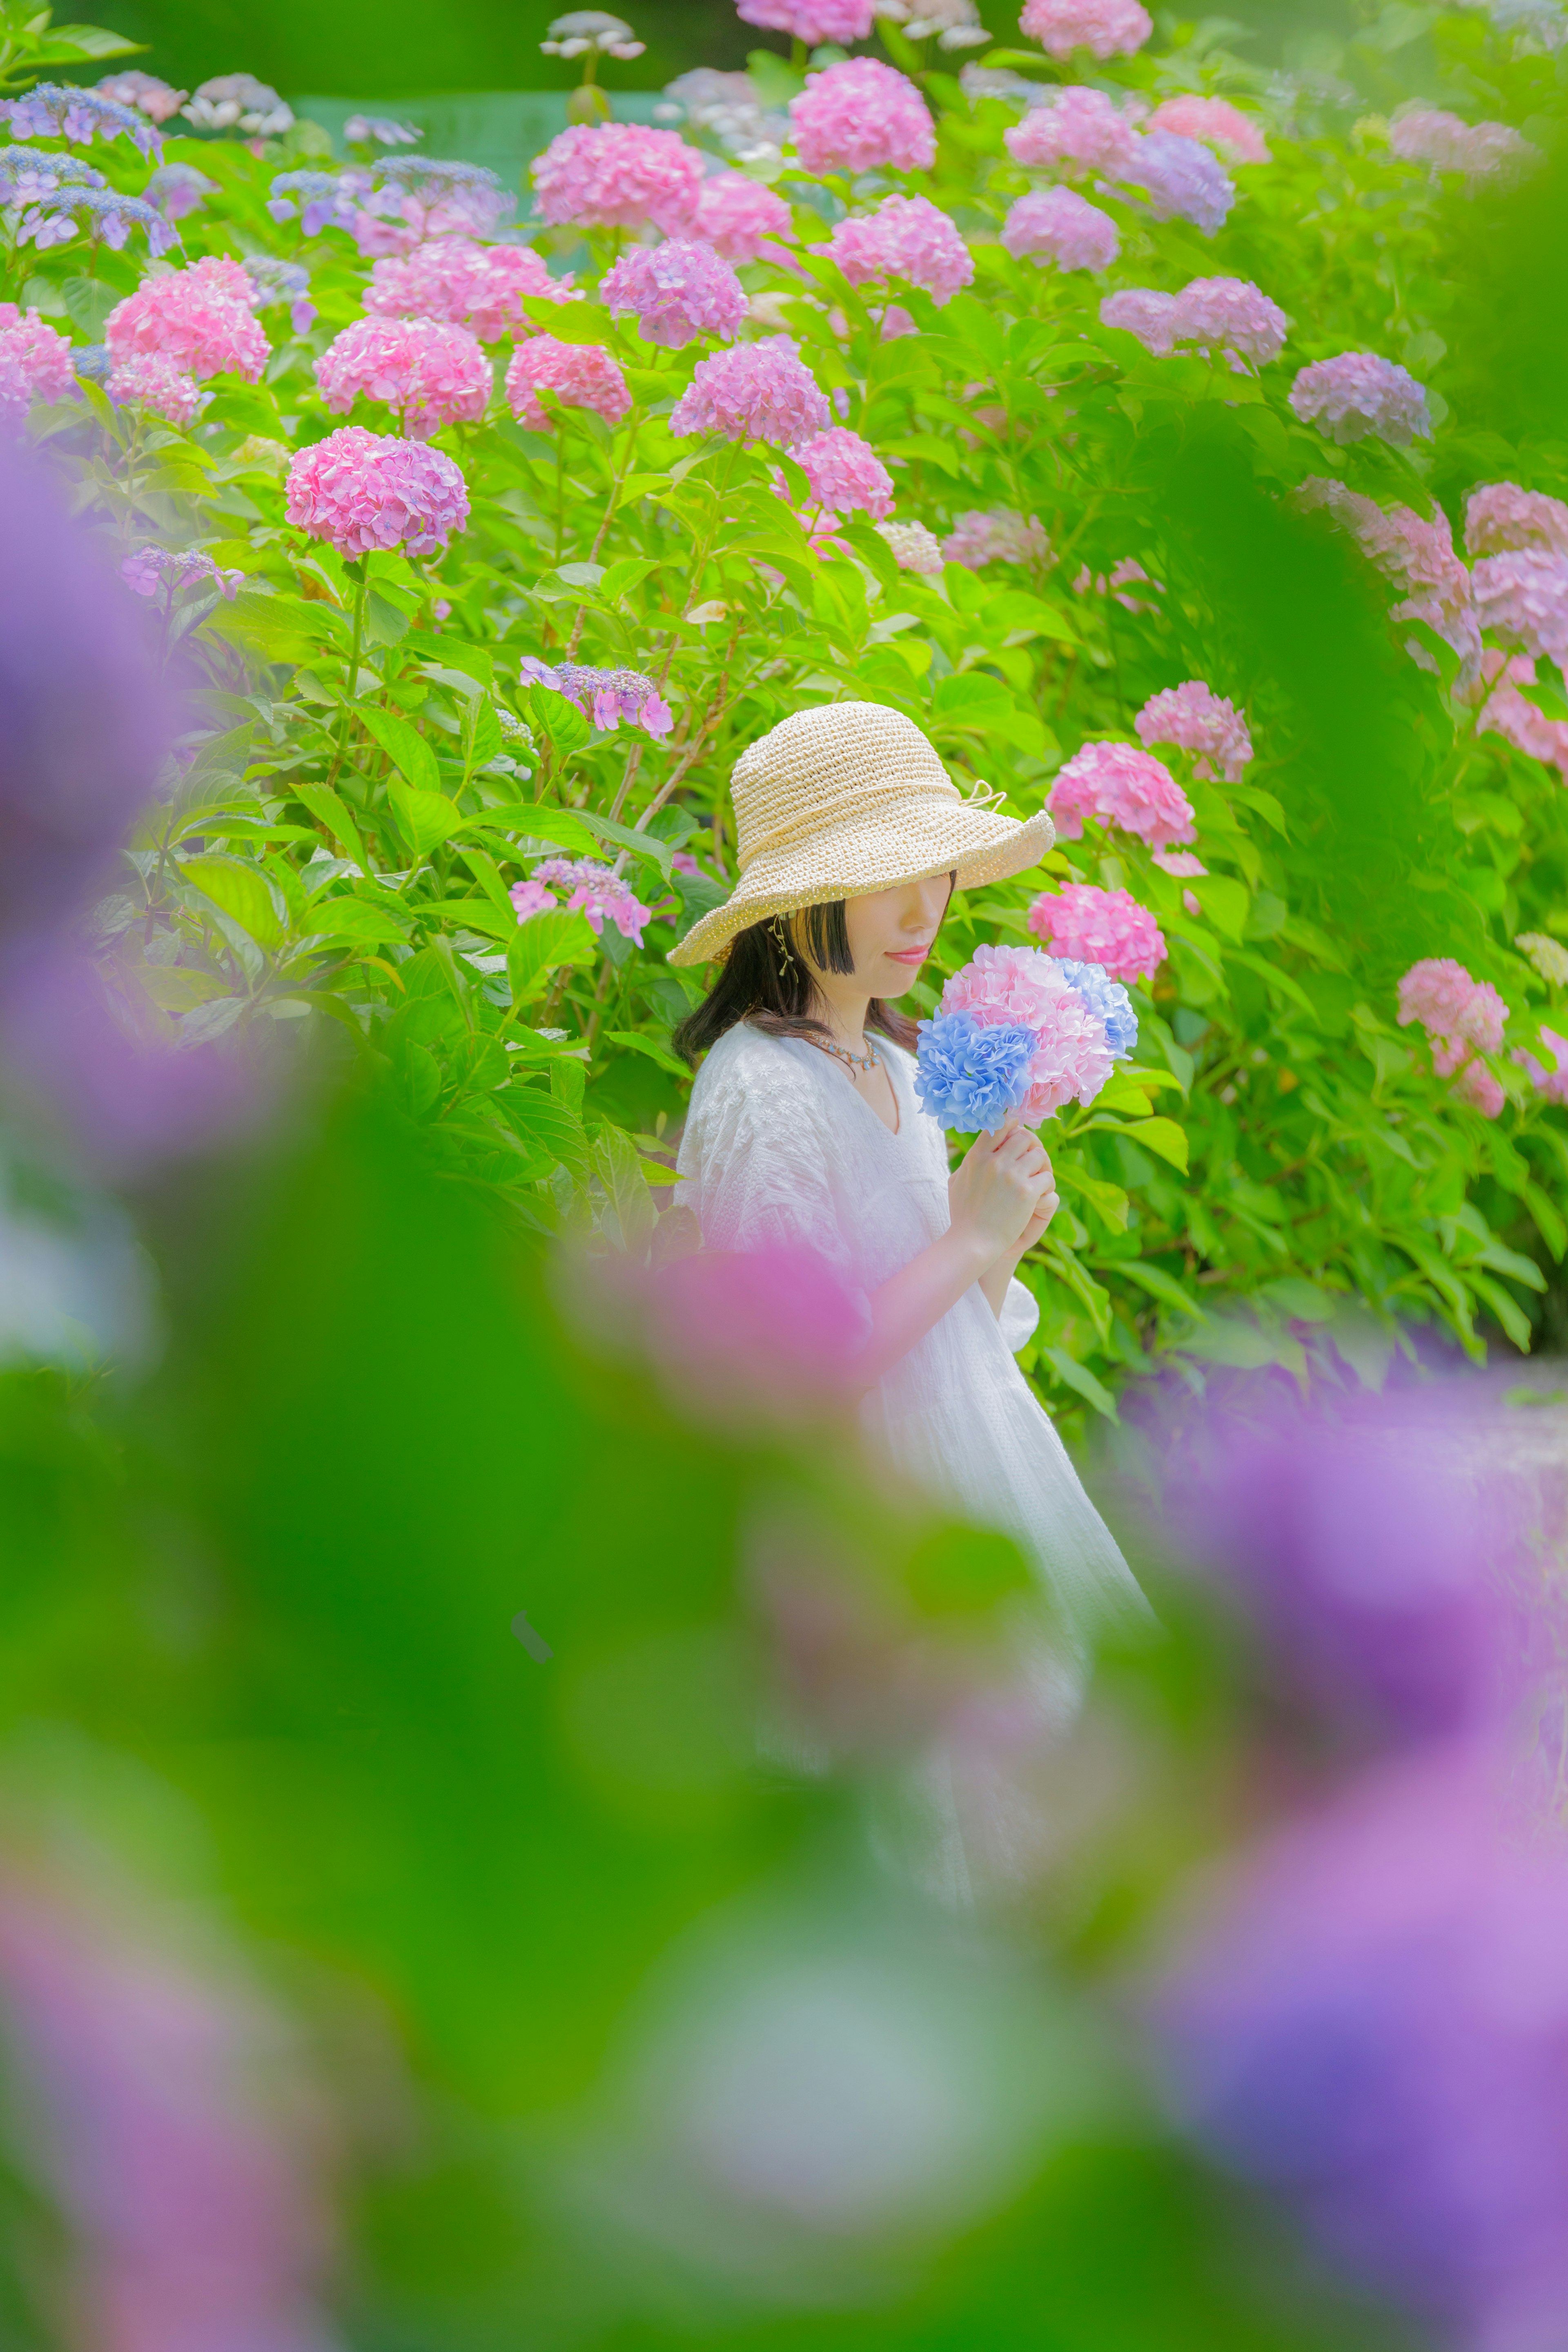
908, 955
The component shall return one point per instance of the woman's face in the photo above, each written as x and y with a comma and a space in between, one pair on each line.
891, 933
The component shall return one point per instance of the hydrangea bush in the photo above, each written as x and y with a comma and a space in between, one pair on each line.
1180, 500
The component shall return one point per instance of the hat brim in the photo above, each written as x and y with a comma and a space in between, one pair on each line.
924, 835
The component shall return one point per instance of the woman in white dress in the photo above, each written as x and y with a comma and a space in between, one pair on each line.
803, 1127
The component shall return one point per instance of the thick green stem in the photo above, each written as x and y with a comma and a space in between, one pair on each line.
340, 754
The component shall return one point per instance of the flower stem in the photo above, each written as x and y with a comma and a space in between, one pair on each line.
361, 588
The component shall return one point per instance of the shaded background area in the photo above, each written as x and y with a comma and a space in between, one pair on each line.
388, 48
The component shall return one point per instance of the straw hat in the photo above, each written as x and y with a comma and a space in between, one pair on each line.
846, 799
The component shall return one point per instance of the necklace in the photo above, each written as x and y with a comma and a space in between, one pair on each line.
867, 1062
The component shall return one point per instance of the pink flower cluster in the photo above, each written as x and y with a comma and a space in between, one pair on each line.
428, 371
757, 392
1216, 122
200, 318
1119, 786
1024, 988
360, 490
1108, 584
677, 292
1108, 28
480, 286
1181, 180
1201, 722
619, 175
1078, 129
1509, 713
1501, 516
1481, 151
1225, 313
995, 535
861, 116
908, 237
1463, 1017
811, 21
1523, 596
846, 474
1416, 555
35, 363
1553, 1083
154, 382
1357, 394
581, 375
1104, 926
1183, 867
594, 890
605, 696
738, 216
1059, 222
913, 546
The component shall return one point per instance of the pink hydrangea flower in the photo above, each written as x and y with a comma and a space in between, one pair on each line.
480, 286
861, 116
1232, 312
1024, 988
429, 372
1139, 311
846, 474
1104, 926
1181, 180
1185, 867
36, 356
1121, 575
1509, 713
995, 535
1462, 1016
739, 217
1119, 786
596, 892
1059, 222
907, 238
1108, 28
619, 175
360, 490
1357, 394
1216, 122
1501, 517
1418, 556
1198, 721
1553, 1083
912, 546
200, 317
581, 375
531, 898
1481, 151
156, 381
811, 21
1523, 596
1476, 1086
1078, 129
756, 392
605, 696
678, 291
158, 100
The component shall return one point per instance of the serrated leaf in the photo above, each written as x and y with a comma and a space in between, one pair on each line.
544, 944
332, 812
403, 746
563, 826
627, 1220
558, 720
640, 845
241, 892
425, 819
1162, 1135
356, 921
545, 1122
651, 1047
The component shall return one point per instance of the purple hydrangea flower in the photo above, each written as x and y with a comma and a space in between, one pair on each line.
178, 189
108, 216
65, 111
1356, 393
607, 696
1182, 178
322, 199
151, 568
1109, 1000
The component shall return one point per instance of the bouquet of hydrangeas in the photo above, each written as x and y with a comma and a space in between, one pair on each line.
1021, 1032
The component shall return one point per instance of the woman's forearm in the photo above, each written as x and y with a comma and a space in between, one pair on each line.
914, 1300
995, 1282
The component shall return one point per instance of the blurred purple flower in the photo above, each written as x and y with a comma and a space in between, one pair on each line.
1372, 2018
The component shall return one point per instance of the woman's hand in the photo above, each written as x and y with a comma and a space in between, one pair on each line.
1001, 1193
994, 1281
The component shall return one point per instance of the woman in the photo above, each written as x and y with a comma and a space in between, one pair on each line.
803, 1127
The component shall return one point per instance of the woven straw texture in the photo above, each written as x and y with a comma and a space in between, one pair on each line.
846, 799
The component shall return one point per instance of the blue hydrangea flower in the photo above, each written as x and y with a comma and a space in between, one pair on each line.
1109, 999
968, 1074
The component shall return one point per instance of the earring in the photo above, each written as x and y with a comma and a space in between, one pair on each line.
786, 954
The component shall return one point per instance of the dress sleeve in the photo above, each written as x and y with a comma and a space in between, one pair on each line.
757, 1164
1020, 1316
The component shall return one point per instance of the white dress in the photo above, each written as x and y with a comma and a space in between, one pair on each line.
780, 1149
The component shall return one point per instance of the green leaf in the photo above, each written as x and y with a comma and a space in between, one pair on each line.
477, 913
560, 722
1077, 1376
623, 577
481, 735
357, 921
1548, 1222
543, 1122
652, 1048
86, 41
1227, 903
241, 892
332, 812
544, 944
1108, 1201
563, 826
626, 1220
1162, 1287
641, 845
1508, 1313
424, 819
403, 746
1162, 1135
981, 705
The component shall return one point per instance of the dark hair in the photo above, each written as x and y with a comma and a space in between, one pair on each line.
764, 982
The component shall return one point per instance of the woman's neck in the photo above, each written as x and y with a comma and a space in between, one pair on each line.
843, 1010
